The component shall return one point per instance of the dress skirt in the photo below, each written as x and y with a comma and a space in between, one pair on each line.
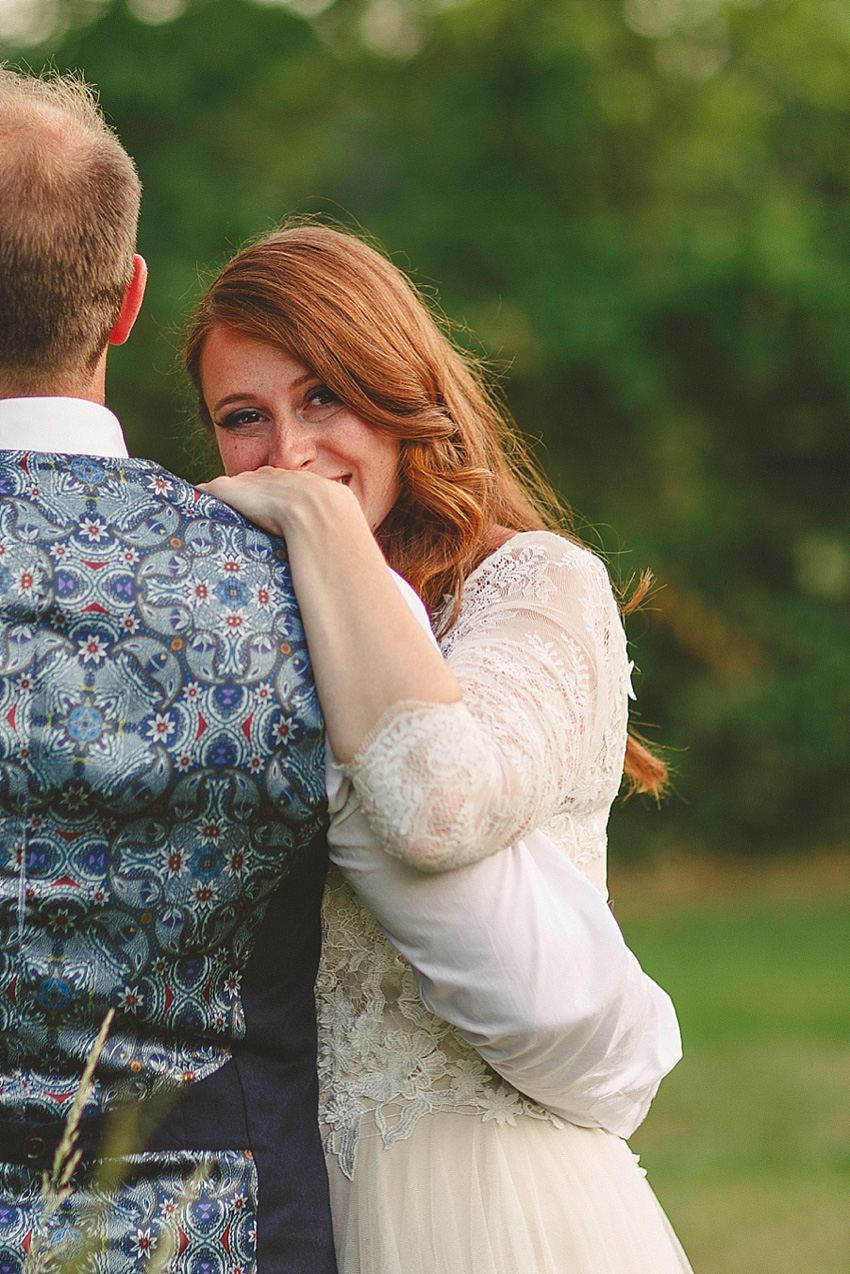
462, 1195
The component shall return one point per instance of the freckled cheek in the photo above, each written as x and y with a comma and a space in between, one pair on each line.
238, 455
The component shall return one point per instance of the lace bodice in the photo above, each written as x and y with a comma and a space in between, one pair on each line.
538, 741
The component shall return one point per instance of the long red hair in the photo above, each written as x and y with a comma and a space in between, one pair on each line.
336, 304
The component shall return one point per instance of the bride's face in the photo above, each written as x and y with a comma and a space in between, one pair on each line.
268, 409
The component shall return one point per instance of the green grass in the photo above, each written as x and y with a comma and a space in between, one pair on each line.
745, 1143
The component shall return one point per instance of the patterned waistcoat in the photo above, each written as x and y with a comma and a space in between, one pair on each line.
162, 854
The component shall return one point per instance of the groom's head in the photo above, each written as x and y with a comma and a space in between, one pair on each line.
69, 206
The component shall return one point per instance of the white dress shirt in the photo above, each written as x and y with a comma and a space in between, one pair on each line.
519, 951
67, 426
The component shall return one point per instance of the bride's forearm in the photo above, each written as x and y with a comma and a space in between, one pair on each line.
367, 650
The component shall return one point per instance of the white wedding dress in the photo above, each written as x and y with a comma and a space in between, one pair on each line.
436, 1165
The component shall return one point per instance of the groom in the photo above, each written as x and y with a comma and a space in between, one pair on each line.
162, 781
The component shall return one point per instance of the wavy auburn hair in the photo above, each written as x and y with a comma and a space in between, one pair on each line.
337, 305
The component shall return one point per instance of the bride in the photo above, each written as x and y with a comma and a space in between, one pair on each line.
363, 437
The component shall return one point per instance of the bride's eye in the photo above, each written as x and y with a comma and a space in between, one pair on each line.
242, 418
321, 401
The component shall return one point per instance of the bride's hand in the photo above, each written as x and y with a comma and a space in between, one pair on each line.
278, 500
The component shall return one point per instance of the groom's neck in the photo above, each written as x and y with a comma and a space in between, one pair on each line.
60, 383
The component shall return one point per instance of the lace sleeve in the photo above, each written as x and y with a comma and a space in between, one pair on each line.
535, 649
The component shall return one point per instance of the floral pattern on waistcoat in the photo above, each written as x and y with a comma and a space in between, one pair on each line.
187, 1213
161, 768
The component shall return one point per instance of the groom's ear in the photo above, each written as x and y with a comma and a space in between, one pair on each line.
131, 304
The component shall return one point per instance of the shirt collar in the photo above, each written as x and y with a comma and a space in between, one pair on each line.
69, 426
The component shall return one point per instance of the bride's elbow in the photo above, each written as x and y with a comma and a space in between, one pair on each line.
439, 846
449, 824
428, 854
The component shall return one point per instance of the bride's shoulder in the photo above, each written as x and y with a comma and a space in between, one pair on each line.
531, 560
534, 578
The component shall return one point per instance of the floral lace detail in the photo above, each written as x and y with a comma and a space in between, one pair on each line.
538, 741
381, 1053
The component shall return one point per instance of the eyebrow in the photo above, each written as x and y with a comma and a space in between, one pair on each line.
242, 397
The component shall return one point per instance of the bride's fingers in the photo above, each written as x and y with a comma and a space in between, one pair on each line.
220, 488
251, 481
266, 476
271, 497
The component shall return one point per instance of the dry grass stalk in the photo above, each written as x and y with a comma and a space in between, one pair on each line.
66, 1151
56, 1184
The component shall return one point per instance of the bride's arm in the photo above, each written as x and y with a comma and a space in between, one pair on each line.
367, 651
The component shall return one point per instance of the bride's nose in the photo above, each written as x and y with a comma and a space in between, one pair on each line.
292, 444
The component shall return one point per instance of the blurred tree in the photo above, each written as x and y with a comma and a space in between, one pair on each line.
640, 211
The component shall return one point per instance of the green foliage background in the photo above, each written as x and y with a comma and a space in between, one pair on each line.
639, 212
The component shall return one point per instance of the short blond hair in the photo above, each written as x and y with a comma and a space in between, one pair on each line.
69, 208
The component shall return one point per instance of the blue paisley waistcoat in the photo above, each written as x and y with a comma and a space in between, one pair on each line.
163, 810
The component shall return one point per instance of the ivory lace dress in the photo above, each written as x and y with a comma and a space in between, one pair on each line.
436, 1165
